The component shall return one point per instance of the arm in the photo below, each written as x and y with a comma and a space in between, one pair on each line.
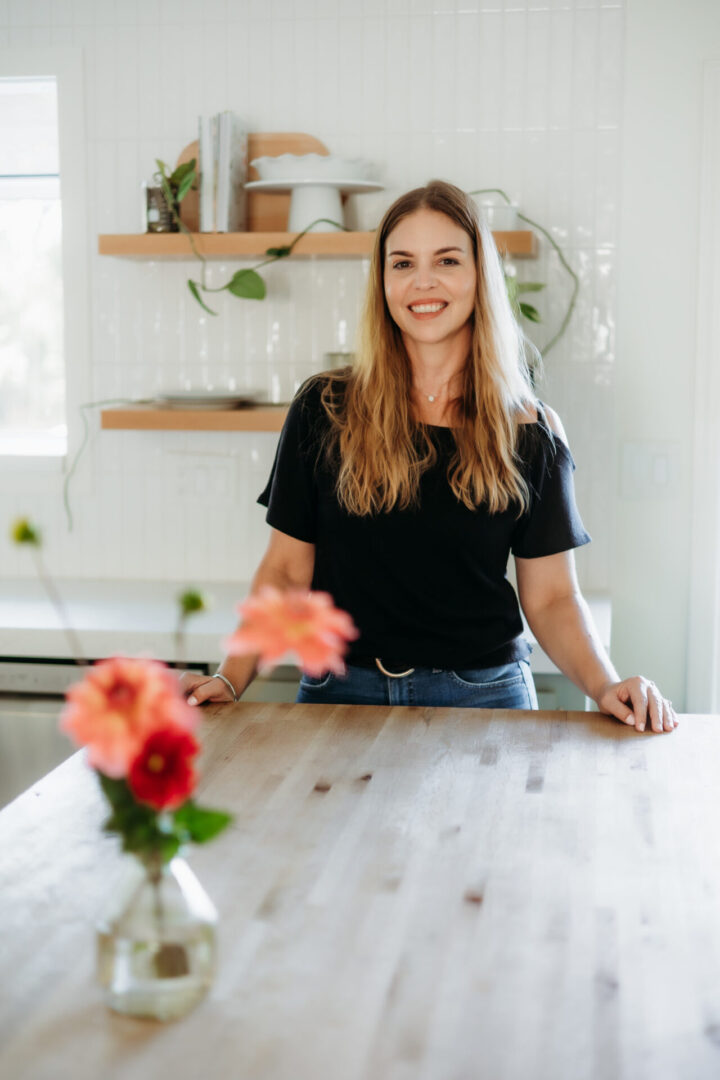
287, 564
561, 621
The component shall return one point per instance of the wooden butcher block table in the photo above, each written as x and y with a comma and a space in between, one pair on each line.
404, 894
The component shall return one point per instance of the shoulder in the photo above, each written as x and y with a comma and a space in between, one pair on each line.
539, 413
323, 385
555, 423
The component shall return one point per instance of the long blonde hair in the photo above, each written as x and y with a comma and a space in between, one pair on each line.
382, 451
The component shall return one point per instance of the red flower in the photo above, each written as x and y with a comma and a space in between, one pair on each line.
298, 624
163, 774
117, 705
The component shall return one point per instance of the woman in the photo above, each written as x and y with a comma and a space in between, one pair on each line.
401, 485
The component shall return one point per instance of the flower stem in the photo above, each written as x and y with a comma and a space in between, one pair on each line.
180, 643
56, 601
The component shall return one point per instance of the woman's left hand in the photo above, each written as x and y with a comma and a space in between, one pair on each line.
636, 702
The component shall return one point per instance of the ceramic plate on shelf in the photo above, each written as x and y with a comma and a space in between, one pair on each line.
349, 187
206, 399
311, 166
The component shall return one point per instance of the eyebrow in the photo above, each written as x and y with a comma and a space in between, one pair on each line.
440, 251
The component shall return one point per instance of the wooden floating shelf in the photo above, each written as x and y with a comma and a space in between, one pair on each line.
154, 418
522, 244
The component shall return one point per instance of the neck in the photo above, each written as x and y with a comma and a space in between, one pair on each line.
436, 367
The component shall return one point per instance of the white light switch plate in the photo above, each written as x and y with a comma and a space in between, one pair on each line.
649, 470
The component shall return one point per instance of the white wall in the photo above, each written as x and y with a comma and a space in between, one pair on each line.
666, 45
579, 110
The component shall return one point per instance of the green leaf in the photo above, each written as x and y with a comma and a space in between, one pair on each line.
23, 531
199, 823
530, 286
182, 171
278, 252
116, 791
530, 313
192, 285
184, 186
247, 284
169, 846
192, 601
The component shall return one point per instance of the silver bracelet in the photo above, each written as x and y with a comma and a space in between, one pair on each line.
229, 685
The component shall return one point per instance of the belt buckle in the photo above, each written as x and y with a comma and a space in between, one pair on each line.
393, 674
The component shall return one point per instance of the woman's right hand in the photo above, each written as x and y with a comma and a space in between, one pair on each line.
201, 689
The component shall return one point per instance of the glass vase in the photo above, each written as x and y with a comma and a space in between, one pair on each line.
156, 945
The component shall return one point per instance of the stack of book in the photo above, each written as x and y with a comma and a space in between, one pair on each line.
222, 164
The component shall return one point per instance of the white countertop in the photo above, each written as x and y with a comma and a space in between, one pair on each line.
136, 617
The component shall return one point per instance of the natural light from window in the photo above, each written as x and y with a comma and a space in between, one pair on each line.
32, 365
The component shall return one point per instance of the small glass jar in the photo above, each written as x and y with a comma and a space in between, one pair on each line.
156, 945
157, 216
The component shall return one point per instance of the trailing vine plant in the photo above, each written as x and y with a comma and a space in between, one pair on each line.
246, 284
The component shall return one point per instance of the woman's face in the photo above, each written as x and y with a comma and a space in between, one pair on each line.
429, 277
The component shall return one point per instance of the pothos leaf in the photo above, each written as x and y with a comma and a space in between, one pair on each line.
529, 286
278, 252
192, 285
530, 312
247, 283
185, 186
182, 171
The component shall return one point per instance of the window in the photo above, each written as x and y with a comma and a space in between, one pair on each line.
32, 369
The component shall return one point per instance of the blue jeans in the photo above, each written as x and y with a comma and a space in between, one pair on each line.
509, 686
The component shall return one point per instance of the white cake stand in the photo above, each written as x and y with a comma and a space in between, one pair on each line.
312, 199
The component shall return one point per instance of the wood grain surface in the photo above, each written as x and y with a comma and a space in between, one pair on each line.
405, 894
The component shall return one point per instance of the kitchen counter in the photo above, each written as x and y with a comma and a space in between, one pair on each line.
133, 617
432, 894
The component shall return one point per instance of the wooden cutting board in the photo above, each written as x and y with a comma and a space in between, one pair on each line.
266, 213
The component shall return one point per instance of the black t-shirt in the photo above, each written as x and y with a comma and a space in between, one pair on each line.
426, 586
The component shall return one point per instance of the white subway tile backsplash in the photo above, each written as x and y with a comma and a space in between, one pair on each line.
562, 62
584, 152
490, 98
28, 37
149, 13
611, 31
586, 39
522, 96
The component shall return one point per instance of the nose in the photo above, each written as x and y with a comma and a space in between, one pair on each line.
425, 277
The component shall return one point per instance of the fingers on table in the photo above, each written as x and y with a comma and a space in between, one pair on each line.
658, 713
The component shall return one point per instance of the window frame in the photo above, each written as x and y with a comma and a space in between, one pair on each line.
65, 64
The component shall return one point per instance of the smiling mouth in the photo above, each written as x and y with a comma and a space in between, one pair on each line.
427, 308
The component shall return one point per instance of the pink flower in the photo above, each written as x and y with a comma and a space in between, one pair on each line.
163, 773
300, 626
119, 703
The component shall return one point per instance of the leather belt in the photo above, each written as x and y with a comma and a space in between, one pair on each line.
375, 661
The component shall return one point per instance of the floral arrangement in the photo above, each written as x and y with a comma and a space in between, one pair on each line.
139, 731
156, 948
140, 737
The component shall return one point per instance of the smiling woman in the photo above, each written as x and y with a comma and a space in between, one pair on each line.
402, 485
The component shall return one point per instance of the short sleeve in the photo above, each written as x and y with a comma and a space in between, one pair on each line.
290, 494
552, 523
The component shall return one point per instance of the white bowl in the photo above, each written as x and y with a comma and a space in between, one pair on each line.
311, 167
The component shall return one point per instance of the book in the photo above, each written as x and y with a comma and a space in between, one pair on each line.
231, 200
207, 152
